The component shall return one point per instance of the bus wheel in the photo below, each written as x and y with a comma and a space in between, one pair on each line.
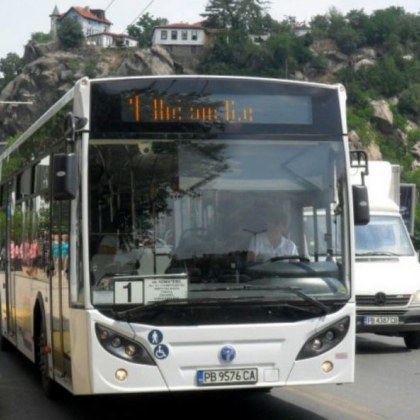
4, 344
48, 384
412, 340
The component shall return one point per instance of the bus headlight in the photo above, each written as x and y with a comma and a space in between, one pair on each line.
122, 347
325, 340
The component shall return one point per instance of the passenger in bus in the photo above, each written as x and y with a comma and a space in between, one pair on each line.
273, 241
65, 253
56, 253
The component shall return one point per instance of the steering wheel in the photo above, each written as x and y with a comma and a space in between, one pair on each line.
299, 258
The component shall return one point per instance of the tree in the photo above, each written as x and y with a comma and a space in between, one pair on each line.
235, 14
70, 33
384, 23
143, 29
11, 67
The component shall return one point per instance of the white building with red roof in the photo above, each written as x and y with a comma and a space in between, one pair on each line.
95, 26
92, 21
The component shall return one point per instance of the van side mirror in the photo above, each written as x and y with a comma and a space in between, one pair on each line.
64, 176
360, 205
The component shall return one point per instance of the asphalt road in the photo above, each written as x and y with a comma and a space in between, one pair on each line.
387, 387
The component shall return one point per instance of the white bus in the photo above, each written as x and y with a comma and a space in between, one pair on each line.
126, 214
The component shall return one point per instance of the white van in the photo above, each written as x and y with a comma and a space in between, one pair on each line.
387, 268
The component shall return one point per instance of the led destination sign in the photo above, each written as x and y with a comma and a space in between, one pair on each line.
217, 108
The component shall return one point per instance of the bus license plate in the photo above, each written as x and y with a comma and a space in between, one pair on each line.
227, 377
381, 320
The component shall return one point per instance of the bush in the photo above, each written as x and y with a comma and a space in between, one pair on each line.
410, 100
70, 33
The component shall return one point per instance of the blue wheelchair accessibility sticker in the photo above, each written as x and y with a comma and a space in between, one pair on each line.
161, 351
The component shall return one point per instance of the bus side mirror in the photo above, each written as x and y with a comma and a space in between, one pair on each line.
64, 176
360, 205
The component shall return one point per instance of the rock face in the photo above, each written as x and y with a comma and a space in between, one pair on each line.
49, 73
146, 62
383, 114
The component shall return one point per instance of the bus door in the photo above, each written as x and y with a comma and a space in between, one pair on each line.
14, 230
9, 260
59, 280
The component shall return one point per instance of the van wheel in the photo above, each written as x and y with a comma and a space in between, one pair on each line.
412, 340
48, 385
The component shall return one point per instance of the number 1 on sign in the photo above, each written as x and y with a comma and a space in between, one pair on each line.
128, 292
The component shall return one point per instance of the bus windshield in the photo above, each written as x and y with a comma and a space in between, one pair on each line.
180, 220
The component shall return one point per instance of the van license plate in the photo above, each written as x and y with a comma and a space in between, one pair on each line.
227, 376
381, 320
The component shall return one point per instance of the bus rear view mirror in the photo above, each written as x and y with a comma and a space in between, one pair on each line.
64, 176
360, 205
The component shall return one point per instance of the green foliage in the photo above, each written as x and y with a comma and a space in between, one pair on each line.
410, 100
41, 38
238, 15
347, 38
70, 33
400, 120
413, 137
90, 68
143, 29
11, 67
394, 150
386, 79
358, 119
234, 52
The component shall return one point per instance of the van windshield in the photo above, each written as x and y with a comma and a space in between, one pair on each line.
384, 235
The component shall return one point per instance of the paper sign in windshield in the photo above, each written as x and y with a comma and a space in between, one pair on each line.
163, 289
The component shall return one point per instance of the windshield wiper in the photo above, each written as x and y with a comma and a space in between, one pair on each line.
162, 304
376, 253
297, 291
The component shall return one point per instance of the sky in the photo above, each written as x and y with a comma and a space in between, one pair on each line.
20, 18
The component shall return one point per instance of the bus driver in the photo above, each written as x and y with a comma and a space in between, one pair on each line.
272, 242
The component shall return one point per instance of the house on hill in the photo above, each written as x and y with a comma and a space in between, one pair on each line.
95, 26
184, 41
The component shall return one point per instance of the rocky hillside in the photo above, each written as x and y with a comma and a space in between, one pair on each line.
50, 72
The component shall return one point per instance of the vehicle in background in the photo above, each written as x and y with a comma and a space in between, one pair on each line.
387, 276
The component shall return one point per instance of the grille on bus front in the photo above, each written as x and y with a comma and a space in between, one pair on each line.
380, 299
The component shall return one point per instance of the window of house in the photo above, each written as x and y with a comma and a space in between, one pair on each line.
194, 35
184, 35
164, 35
174, 35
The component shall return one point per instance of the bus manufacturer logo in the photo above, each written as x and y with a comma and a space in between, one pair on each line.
228, 354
